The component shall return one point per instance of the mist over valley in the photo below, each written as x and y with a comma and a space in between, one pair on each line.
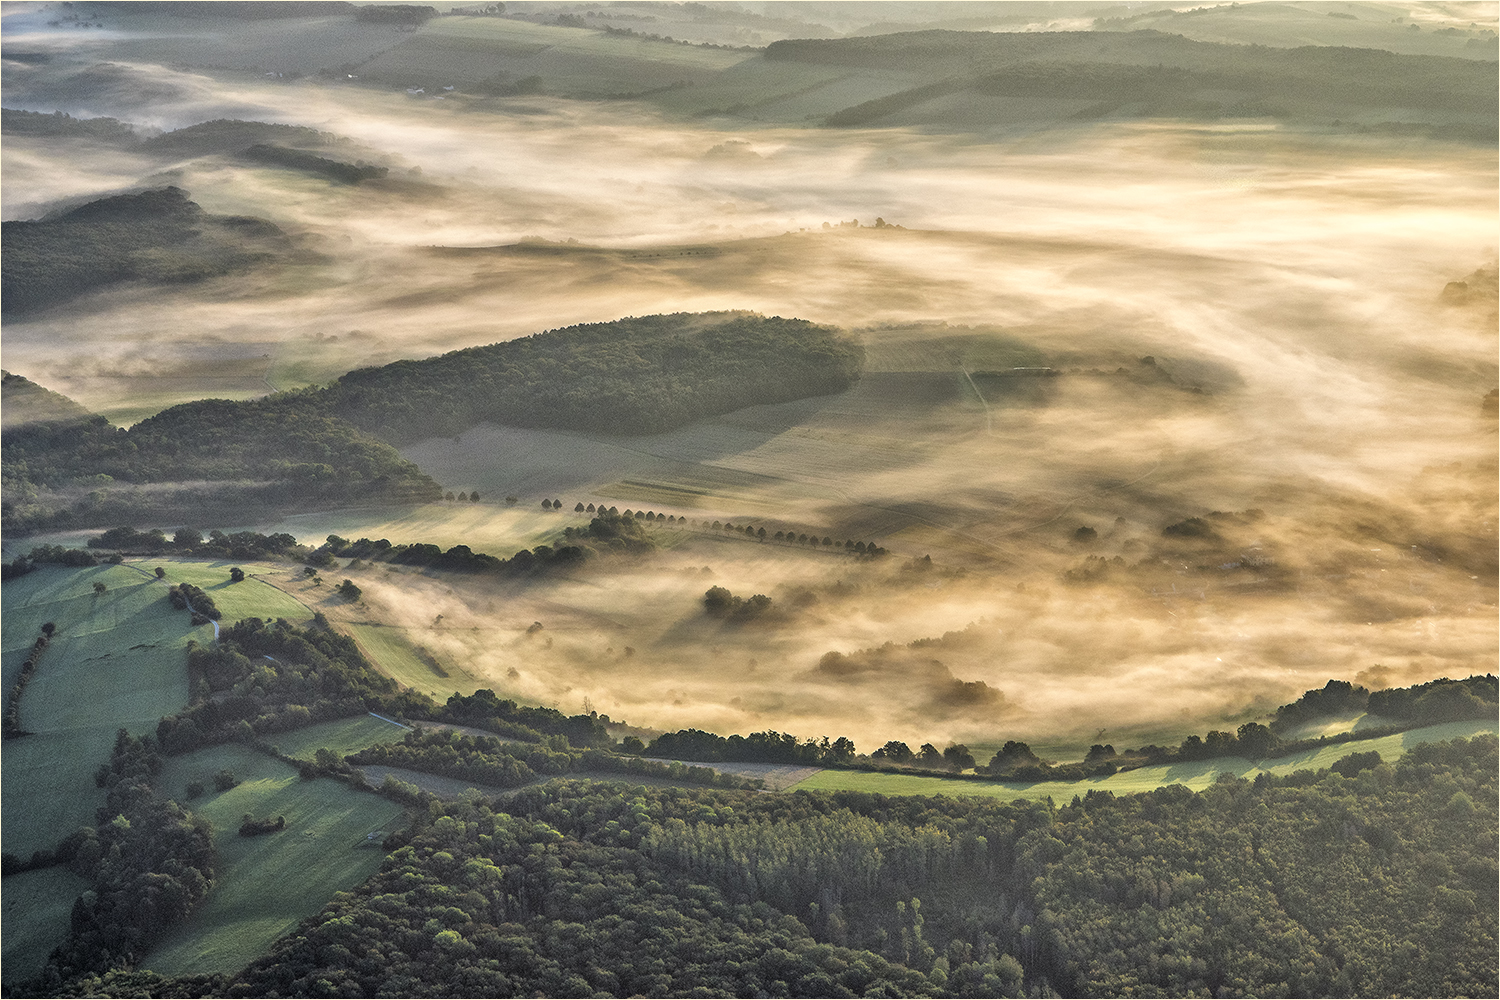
960, 374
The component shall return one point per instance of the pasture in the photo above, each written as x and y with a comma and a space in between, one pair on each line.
117, 660
250, 598
1196, 775
267, 884
342, 736
36, 908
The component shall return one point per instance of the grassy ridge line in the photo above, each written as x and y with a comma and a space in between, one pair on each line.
1196, 775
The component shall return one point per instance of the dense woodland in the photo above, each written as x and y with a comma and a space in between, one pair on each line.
158, 236
1378, 882
334, 444
638, 375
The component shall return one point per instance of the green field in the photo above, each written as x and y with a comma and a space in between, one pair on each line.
117, 660
1196, 775
36, 907
250, 598
267, 884
124, 648
392, 650
343, 737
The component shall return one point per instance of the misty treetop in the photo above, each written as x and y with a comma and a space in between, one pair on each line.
157, 236
639, 375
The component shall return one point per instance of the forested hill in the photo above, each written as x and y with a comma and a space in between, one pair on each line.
22, 402
157, 236
333, 445
634, 376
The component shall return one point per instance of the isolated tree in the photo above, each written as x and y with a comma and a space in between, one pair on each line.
349, 591
448, 495
160, 573
511, 501
717, 601
100, 588
557, 504
546, 505
236, 574
589, 508
842, 749
761, 534
463, 498
48, 629
473, 496
1085, 535
827, 540
578, 508
930, 756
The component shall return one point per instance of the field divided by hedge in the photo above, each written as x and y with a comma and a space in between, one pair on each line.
267, 884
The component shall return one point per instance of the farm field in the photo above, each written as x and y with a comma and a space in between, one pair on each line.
268, 883
250, 598
124, 647
488, 526
394, 650
1196, 775
343, 736
36, 910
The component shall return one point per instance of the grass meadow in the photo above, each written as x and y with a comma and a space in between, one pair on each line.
1196, 775
343, 736
267, 884
36, 909
118, 659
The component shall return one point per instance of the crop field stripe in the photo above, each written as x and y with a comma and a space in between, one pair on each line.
1196, 775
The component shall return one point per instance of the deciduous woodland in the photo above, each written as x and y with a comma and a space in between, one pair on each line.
749, 499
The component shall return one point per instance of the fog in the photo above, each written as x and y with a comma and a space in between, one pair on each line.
1292, 279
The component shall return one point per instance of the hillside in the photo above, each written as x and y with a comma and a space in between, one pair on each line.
1150, 74
333, 445
24, 402
156, 236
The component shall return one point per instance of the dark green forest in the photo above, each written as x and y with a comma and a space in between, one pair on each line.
158, 236
1379, 882
333, 444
